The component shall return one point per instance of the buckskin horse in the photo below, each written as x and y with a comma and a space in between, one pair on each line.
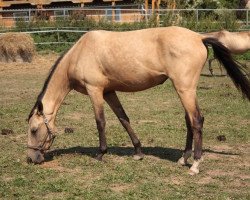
102, 62
236, 42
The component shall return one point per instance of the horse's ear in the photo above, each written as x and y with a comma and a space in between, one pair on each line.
39, 108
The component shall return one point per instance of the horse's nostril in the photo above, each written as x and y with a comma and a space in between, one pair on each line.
39, 158
29, 160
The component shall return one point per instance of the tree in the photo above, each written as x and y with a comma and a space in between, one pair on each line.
208, 4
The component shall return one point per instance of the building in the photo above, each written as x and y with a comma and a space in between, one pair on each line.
115, 10
13, 10
43, 4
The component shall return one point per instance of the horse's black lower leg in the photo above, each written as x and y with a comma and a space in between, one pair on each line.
189, 141
197, 126
114, 103
102, 139
135, 141
197, 131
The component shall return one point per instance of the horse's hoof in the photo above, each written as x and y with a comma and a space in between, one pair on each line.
193, 172
99, 157
194, 169
182, 162
138, 156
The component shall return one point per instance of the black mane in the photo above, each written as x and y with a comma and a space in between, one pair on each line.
41, 94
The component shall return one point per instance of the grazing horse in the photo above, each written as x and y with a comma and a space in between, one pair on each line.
102, 62
236, 42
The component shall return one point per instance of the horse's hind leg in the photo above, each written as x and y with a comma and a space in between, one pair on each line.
211, 68
189, 141
210, 65
96, 97
114, 103
194, 122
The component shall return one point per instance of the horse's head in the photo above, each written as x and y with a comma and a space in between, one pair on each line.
40, 135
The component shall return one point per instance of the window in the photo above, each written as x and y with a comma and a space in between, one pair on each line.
108, 14
117, 12
21, 16
61, 13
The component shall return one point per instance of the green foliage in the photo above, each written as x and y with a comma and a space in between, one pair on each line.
230, 4
207, 4
201, 4
203, 21
228, 20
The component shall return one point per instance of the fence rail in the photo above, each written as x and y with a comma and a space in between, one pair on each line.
61, 31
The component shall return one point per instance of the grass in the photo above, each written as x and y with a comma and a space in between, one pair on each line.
158, 118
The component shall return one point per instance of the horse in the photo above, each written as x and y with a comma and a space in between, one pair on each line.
236, 42
103, 62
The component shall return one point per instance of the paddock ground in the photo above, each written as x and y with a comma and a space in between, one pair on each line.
157, 116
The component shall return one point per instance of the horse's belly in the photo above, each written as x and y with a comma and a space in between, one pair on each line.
135, 84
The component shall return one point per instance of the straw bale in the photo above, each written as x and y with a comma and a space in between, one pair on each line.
16, 47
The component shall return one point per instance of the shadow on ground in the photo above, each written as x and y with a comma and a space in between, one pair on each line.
215, 75
170, 154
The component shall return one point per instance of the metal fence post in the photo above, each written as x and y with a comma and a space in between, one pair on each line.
29, 16
247, 18
58, 35
197, 17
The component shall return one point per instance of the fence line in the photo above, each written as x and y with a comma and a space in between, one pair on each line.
64, 31
56, 31
10, 17
48, 43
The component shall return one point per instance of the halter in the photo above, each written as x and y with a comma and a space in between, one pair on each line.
50, 136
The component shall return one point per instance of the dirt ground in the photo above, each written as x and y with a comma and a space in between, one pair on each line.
40, 62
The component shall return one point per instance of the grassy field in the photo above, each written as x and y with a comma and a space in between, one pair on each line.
157, 116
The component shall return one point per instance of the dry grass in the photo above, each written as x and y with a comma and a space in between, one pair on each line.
16, 47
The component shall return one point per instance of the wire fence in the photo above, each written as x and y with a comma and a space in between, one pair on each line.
8, 18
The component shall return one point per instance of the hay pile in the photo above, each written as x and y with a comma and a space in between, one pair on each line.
16, 47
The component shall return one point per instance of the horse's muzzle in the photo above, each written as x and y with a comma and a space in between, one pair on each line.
36, 157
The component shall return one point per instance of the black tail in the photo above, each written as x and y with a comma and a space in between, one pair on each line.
238, 73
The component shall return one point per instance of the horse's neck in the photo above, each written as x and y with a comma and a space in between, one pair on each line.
58, 87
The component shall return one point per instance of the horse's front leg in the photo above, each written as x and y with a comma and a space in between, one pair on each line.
97, 100
114, 103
